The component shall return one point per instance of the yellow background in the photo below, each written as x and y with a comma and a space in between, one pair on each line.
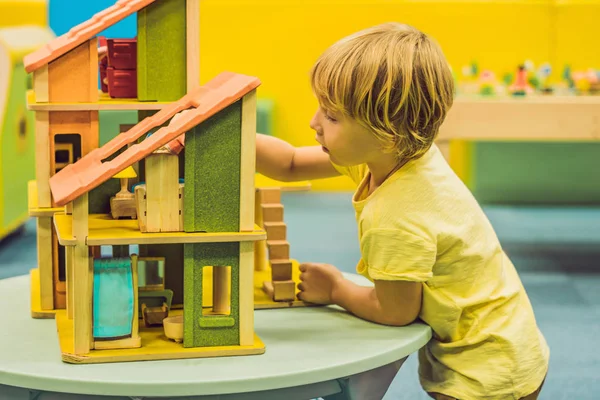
279, 40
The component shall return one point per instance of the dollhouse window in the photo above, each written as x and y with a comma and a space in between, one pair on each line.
67, 150
216, 286
151, 273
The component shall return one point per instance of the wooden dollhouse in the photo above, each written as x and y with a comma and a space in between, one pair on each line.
115, 264
155, 244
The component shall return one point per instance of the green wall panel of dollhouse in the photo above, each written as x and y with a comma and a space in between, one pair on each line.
99, 198
162, 51
110, 122
209, 330
173, 254
212, 173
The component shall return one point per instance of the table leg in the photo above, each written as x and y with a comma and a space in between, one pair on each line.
369, 385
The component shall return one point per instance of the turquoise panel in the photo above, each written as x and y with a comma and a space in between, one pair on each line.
113, 298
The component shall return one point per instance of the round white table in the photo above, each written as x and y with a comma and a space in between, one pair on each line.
308, 351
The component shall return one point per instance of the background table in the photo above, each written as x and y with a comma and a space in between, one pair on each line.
308, 349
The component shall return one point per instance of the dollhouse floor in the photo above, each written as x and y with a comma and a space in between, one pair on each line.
155, 346
261, 300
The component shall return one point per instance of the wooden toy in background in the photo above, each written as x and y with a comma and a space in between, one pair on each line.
468, 83
586, 82
198, 209
541, 79
23, 29
488, 84
521, 85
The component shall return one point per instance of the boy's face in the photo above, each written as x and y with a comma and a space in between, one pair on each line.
346, 141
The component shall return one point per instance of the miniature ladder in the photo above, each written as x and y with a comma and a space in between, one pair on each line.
269, 216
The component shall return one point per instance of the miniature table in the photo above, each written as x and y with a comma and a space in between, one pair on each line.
308, 351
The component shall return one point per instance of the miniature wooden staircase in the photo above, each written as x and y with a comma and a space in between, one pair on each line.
269, 216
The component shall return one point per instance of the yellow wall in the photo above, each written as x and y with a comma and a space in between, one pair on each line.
23, 12
279, 40
577, 33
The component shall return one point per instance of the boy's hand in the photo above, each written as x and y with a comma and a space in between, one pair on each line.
318, 282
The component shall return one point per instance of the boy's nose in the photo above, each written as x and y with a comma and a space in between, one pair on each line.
313, 123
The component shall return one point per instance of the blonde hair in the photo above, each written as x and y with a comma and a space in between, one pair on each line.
393, 80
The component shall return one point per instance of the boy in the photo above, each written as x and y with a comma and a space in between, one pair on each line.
425, 242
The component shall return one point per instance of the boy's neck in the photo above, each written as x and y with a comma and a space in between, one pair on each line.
382, 169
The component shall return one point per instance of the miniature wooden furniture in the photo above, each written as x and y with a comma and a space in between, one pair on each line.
155, 301
319, 350
174, 328
123, 204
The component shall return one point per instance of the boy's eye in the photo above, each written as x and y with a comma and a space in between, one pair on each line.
330, 118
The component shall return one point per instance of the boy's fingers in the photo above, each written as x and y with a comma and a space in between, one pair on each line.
300, 287
302, 267
302, 276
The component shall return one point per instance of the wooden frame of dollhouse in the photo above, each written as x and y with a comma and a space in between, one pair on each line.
67, 102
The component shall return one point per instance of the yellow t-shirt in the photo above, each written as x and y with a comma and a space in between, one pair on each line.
423, 224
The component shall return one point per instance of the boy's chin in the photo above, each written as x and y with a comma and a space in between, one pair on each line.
342, 163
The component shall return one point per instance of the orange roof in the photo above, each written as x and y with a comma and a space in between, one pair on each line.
90, 171
82, 32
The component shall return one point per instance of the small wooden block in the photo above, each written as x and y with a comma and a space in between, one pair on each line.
281, 270
275, 230
278, 249
269, 195
272, 212
284, 290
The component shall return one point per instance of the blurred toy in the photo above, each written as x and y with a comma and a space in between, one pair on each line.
542, 75
23, 29
520, 86
586, 82
488, 84
469, 84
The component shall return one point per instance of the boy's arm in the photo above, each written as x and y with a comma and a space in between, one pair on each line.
396, 303
280, 160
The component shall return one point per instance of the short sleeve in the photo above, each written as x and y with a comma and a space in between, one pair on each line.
394, 254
